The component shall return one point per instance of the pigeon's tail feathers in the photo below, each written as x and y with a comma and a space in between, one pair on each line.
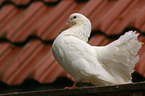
127, 48
119, 57
129, 37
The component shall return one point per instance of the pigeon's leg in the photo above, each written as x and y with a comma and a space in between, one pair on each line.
74, 86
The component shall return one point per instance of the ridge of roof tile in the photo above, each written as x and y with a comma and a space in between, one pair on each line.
139, 19
20, 2
51, 0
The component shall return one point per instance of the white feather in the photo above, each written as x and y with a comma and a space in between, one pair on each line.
99, 65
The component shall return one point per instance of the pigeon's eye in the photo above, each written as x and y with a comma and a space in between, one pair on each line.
75, 17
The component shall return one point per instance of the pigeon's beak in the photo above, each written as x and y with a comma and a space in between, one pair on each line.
68, 22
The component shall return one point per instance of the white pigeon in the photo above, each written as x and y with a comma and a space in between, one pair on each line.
99, 65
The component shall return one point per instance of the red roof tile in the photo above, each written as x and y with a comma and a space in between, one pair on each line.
97, 40
20, 2
27, 25
122, 18
142, 28
18, 61
139, 18
54, 15
90, 7
3, 48
139, 66
100, 12
22, 19
1, 2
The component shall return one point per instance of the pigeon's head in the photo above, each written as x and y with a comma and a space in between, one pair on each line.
77, 18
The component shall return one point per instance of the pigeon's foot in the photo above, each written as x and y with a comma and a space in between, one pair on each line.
71, 87
74, 86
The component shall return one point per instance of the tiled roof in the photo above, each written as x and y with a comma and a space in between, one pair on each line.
28, 28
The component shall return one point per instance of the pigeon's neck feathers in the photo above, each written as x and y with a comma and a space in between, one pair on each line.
80, 30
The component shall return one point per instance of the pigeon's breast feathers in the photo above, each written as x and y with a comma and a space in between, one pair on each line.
81, 27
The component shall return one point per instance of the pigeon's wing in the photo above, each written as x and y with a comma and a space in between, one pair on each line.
78, 58
120, 56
